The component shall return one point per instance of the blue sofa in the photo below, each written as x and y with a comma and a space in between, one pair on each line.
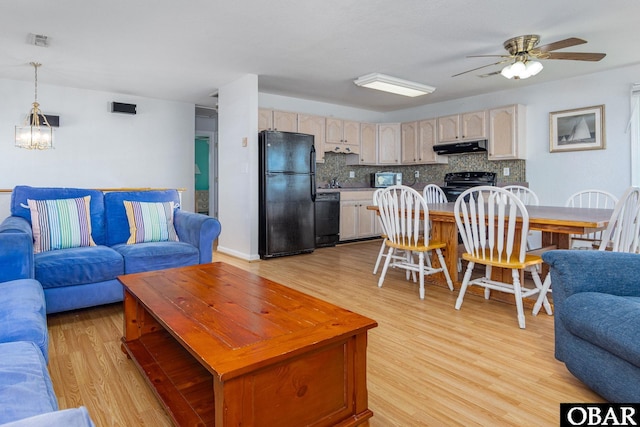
596, 296
26, 392
85, 276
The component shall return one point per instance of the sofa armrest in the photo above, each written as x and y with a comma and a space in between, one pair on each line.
199, 230
16, 249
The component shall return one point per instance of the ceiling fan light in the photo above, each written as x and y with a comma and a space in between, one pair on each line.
518, 68
534, 67
507, 72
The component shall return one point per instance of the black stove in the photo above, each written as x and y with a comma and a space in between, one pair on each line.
455, 183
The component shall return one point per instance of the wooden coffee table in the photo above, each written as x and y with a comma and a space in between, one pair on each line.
221, 346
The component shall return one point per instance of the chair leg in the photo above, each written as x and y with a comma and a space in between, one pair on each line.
542, 298
421, 273
465, 283
387, 261
445, 271
487, 274
515, 273
380, 255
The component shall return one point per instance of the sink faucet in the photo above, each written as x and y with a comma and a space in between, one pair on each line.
334, 183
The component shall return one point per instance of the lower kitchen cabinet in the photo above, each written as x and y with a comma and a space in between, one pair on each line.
356, 221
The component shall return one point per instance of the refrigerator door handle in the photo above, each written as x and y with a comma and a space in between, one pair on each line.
312, 169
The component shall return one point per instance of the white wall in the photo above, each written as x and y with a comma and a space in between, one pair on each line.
95, 148
555, 176
238, 167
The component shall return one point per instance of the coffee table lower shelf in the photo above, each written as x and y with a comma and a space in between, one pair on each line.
184, 387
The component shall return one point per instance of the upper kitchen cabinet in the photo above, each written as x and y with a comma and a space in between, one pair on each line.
465, 126
507, 126
342, 136
409, 142
277, 120
427, 138
368, 144
418, 139
389, 141
314, 125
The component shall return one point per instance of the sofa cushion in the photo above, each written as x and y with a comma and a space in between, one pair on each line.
116, 216
23, 313
150, 222
608, 321
77, 266
157, 256
22, 193
25, 385
60, 223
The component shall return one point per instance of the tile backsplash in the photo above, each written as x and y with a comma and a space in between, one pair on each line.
335, 167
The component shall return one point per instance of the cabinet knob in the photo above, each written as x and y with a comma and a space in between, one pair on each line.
348, 149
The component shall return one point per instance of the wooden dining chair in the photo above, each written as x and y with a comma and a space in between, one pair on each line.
494, 223
529, 198
597, 199
381, 254
432, 193
405, 218
622, 232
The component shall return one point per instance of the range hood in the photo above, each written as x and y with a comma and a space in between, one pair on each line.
461, 147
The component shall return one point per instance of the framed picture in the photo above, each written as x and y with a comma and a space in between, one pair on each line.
578, 129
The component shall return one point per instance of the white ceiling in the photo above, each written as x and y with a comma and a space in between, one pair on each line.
311, 49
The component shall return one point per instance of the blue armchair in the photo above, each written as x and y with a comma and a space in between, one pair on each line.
596, 296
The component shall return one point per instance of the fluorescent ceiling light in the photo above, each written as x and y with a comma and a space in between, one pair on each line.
394, 85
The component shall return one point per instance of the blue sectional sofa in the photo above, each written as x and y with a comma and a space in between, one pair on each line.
596, 297
26, 392
85, 274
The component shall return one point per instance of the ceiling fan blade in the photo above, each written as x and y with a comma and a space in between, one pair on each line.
561, 44
484, 66
489, 56
575, 56
490, 74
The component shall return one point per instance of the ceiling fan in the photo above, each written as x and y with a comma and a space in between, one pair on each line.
524, 53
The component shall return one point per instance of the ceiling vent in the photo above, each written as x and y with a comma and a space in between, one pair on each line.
39, 40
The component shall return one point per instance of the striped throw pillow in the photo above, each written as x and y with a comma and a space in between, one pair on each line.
60, 223
150, 222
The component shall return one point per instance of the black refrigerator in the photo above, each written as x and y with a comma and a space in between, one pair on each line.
287, 194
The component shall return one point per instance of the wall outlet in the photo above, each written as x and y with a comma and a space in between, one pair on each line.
352, 174
244, 141
506, 171
416, 174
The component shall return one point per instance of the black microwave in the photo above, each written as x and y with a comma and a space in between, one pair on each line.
385, 179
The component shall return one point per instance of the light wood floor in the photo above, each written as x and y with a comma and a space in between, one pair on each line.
428, 364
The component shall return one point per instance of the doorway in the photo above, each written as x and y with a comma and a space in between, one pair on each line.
206, 161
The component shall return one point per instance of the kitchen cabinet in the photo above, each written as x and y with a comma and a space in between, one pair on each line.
409, 142
418, 139
389, 141
507, 127
356, 221
284, 121
368, 144
316, 126
342, 136
427, 138
460, 127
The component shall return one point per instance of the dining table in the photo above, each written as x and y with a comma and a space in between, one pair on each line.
557, 224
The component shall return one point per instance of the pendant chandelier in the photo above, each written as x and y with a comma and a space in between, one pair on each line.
35, 133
